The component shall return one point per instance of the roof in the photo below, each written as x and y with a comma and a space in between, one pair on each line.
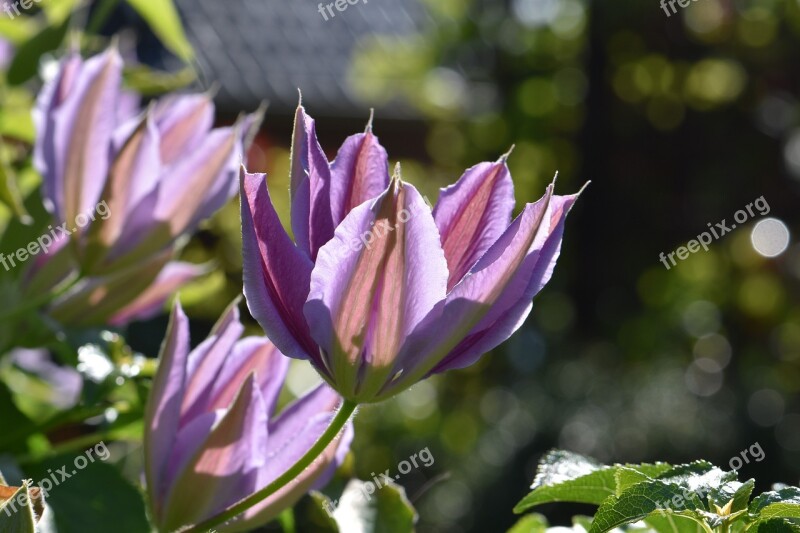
257, 50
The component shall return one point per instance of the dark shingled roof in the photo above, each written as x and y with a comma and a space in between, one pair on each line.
259, 50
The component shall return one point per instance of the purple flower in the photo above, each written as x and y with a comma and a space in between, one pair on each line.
212, 436
123, 186
379, 292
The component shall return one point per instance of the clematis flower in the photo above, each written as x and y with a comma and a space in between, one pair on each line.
123, 186
212, 436
377, 291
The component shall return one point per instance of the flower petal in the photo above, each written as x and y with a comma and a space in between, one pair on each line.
359, 173
491, 302
472, 214
205, 363
310, 183
276, 273
163, 407
133, 175
183, 121
366, 298
226, 466
151, 301
251, 355
291, 435
84, 124
93, 300
45, 158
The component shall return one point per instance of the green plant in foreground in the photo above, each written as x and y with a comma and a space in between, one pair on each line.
696, 497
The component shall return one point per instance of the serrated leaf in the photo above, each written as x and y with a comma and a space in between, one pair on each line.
709, 482
641, 500
787, 495
385, 510
742, 495
627, 477
530, 523
163, 19
569, 477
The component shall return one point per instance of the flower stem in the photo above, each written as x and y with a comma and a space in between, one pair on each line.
338, 423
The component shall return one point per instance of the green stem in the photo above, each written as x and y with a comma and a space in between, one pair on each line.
338, 423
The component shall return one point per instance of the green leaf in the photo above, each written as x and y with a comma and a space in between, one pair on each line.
16, 513
366, 509
641, 500
58, 10
627, 477
765, 500
569, 477
673, 523
149, 82
315, 513
92, 498
26, 61
742, 495
767, 508
163, 18
776, 525
530, 523
17, 30
15, 424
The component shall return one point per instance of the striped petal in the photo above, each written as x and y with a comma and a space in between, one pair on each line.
310, 182
133, 176
277, 274
291, 435
151, 301
164, 405
251, 355
206, 361
472, 214
183, 121
359, 173
45, 158
225, 468
83, 132
492, 301
372, 284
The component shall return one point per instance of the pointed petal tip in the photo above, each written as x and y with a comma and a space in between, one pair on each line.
503, 158
368, 129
